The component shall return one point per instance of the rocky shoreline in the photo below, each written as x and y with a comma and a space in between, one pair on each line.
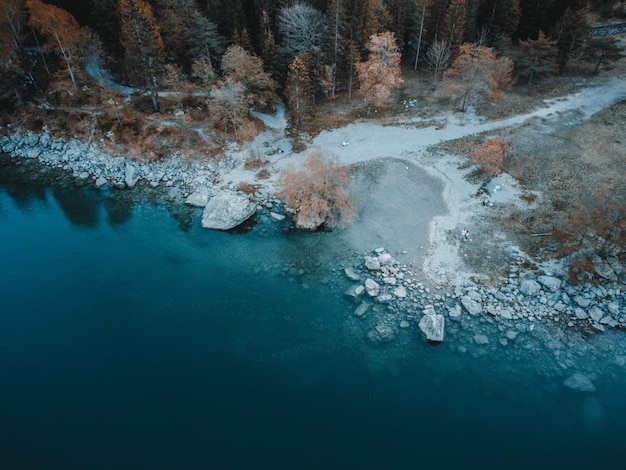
392, 294
524, 296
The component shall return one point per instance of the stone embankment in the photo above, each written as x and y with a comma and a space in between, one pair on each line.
381, 280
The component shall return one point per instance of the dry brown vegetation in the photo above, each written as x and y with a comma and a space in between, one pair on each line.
318, 194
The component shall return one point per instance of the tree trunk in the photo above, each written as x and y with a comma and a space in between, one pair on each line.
419, 39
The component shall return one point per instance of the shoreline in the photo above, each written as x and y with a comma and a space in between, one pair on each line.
530, 291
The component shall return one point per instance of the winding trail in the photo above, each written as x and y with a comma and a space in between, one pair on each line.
365, 141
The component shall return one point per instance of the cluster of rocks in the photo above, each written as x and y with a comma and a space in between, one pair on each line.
223, 209
90, 165
523, 297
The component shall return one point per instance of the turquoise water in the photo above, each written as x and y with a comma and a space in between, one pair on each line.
132, 338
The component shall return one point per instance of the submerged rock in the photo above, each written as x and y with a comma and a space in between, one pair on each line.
381, 334
352, 275
354, 292
580, 383
432, 326
372, 287
227, 210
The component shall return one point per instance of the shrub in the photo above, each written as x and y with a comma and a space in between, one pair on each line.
318, 193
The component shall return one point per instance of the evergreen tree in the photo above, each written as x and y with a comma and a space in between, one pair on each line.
335, 42
273, 59
571, 33
204, 40
454, 24
13, 54
299, 91
538, 57
144, 51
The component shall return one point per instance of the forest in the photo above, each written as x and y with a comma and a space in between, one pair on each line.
212, 62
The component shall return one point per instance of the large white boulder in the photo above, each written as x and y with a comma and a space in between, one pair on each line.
432, 325
226, 210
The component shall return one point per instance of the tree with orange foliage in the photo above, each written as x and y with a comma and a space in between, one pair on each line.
318, 194
59, 25
143, 46
380, 74
469, 69
500, 78
490, 155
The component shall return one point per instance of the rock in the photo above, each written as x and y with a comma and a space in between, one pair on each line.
372, 287
580, 383
400, 292
433, 327
455, 312
130, 175
506, 314
597, 326
227, 210
381, 334
549, 282
595, 313
511, 335
198, 198
603, 269
390, 280
385, 259
529, 287
352, 275
101, 181
372, 264
384, 298
309, 221
580, 314
613, 308
581, 301
404, 324
361, 309
481, 339
354, 292
472, 307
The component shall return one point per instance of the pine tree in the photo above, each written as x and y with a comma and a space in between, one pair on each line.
299, 91
143, 46
454, 24
60, 26
538, 57
571, 33
273, 59
204, 40
335, 42
13, 53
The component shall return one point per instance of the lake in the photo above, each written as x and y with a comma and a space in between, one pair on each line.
132, 338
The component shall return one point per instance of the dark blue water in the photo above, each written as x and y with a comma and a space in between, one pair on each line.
132, 338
